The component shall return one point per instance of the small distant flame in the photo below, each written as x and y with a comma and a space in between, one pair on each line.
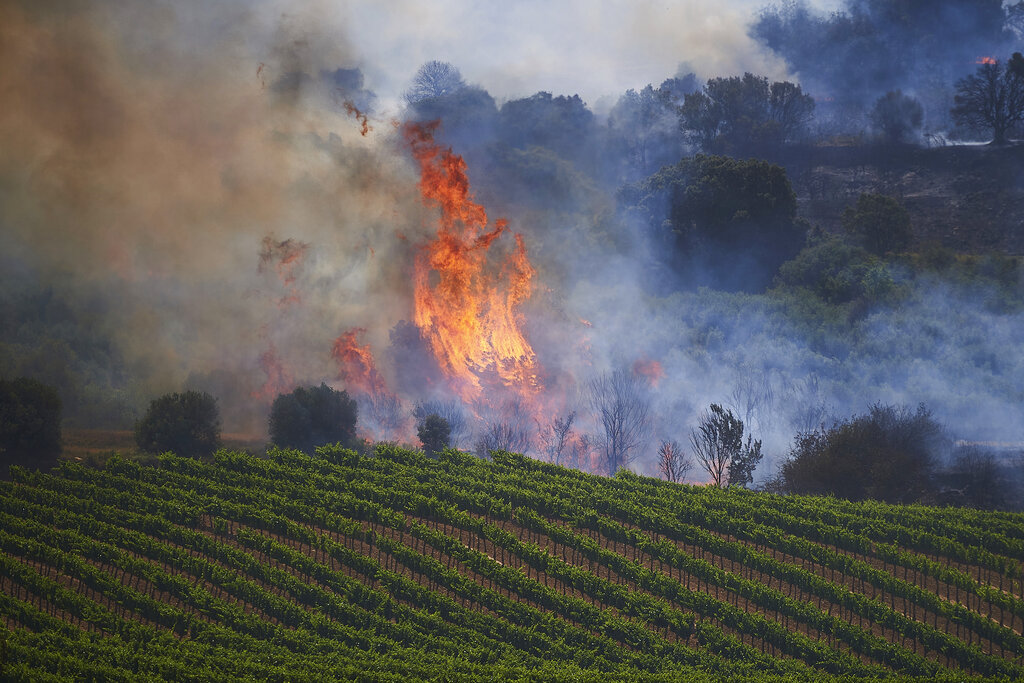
279, 380
362, 118
651, 369
466, 308
586, 323
356, 366
986, 60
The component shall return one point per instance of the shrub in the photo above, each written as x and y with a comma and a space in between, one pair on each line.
187, 424
313, 416
887, 454
880, 222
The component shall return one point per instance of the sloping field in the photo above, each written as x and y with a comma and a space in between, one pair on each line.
397, 567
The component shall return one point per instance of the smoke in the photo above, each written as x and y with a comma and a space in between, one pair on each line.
217, 193
158, 162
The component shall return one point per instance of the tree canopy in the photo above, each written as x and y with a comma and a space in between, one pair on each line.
187, 424
313, 416
992, 98
30, 413
727, 223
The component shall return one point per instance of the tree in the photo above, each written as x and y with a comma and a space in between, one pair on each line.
434, 434
897, 117
673, 464
647, 125
313, 416
557, 437
718, 446
743, 115
30, 414
993, 97
880, 222
506, 429
732, 223
741, 469
887, 454
187, 424
434, 79
622, 405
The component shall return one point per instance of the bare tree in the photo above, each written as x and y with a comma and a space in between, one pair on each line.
993, 97
557, 437
508, 429
718, 445
622, 405
434, 79
580, 451
385, 411
452, 412
673, 464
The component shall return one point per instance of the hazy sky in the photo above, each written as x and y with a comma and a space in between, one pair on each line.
593, 48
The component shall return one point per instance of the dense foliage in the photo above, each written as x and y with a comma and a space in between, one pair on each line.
313, 416
30, 413
729, 223
304, 568
187, 423
887, 454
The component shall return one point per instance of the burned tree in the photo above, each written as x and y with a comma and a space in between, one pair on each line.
508, 429
558, 436
673, 464
622, 405
434, 79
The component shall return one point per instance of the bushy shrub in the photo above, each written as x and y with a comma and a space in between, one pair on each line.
187, 424
887, 454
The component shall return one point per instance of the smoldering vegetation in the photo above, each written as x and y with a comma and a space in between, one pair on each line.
701, 237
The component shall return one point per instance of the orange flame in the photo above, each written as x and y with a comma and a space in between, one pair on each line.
467, 309
651, 369
279, 380
986, 60
356, 366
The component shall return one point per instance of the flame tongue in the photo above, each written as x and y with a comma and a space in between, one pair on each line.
467, 309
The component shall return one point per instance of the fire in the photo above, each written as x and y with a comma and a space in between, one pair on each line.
651, 369
279, 380
986, 60
467, 309
356, 366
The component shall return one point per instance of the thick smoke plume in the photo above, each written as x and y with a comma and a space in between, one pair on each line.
216, 199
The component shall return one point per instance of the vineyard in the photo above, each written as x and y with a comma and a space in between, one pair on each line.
399, 567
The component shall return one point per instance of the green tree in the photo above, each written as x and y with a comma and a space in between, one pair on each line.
718, 446
313, 416
745, 114
879, 222
30, 414
732, 223
187, 424
992, 98
897, 117
434, 434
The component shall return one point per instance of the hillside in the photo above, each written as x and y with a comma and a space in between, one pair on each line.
396, 567
967, 198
